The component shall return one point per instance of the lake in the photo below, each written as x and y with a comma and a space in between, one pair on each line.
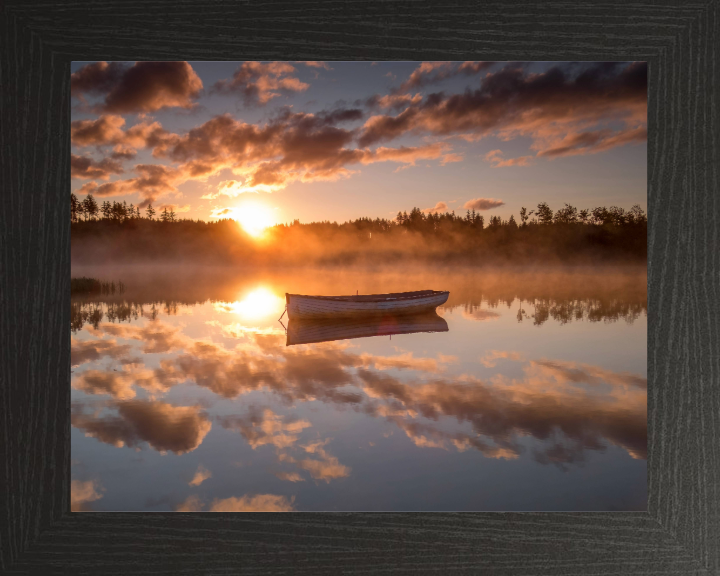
531, 394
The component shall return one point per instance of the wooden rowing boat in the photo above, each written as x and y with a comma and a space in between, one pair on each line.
300, 306
312, 330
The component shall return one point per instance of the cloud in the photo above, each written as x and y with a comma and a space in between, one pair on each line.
593, 142
451, 158
573, 372
546, 107
256, 503
437, 209
86, 167
200, 476
152, 181
142, 87
191, 504
291, 147
433, 72
489, 360
82, 493
427, 73
82, 351
264, 427
567, 408
480, 315
121, 152
164, 427
259, 83
483, 204
496, 158
391, 101
323, 65
289, 476
116, 384
107, 129
327, 467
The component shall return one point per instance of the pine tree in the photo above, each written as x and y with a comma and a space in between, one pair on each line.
150, 211
90, 206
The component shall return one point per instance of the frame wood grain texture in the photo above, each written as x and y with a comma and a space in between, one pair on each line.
680, 532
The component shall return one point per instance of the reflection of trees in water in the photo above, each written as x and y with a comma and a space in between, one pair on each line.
563, 311
590, 310
84, 312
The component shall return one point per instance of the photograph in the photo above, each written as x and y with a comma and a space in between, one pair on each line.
358, 286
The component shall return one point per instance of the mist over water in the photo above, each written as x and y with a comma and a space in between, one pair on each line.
185, 395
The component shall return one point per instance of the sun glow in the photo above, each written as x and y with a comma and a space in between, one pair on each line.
254, 218
259, 303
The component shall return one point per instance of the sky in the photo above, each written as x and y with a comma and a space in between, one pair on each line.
278, 141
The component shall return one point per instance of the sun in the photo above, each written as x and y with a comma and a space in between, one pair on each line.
254, 218
257, 304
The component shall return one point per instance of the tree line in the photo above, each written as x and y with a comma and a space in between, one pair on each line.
417, 220
89, 210
542, 215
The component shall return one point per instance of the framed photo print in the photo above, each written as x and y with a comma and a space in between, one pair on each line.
361, 293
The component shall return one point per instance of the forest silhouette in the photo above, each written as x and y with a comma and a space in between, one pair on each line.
115, 232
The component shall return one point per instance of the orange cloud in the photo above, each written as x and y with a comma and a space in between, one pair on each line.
106, 129
496, 158
82, 493
266, 428
259, 83
440, 207
323, 65
257, 503
483, 204
116, 384
191, 504
82, 351
327, 467
200, 476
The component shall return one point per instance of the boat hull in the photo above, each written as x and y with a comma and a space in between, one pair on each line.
314, 330
299, 306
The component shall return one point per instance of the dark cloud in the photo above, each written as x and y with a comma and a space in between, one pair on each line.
164, 427
547, 107
142, 87
96, 78
433, 72
85, 167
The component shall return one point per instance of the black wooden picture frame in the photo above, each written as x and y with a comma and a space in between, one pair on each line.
680, 532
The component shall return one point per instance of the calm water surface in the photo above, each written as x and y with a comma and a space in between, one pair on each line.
186, 397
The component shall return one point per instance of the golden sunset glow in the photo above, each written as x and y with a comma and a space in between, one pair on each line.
259, 303
254, 218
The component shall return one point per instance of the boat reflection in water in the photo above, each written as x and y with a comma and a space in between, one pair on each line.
308, 331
